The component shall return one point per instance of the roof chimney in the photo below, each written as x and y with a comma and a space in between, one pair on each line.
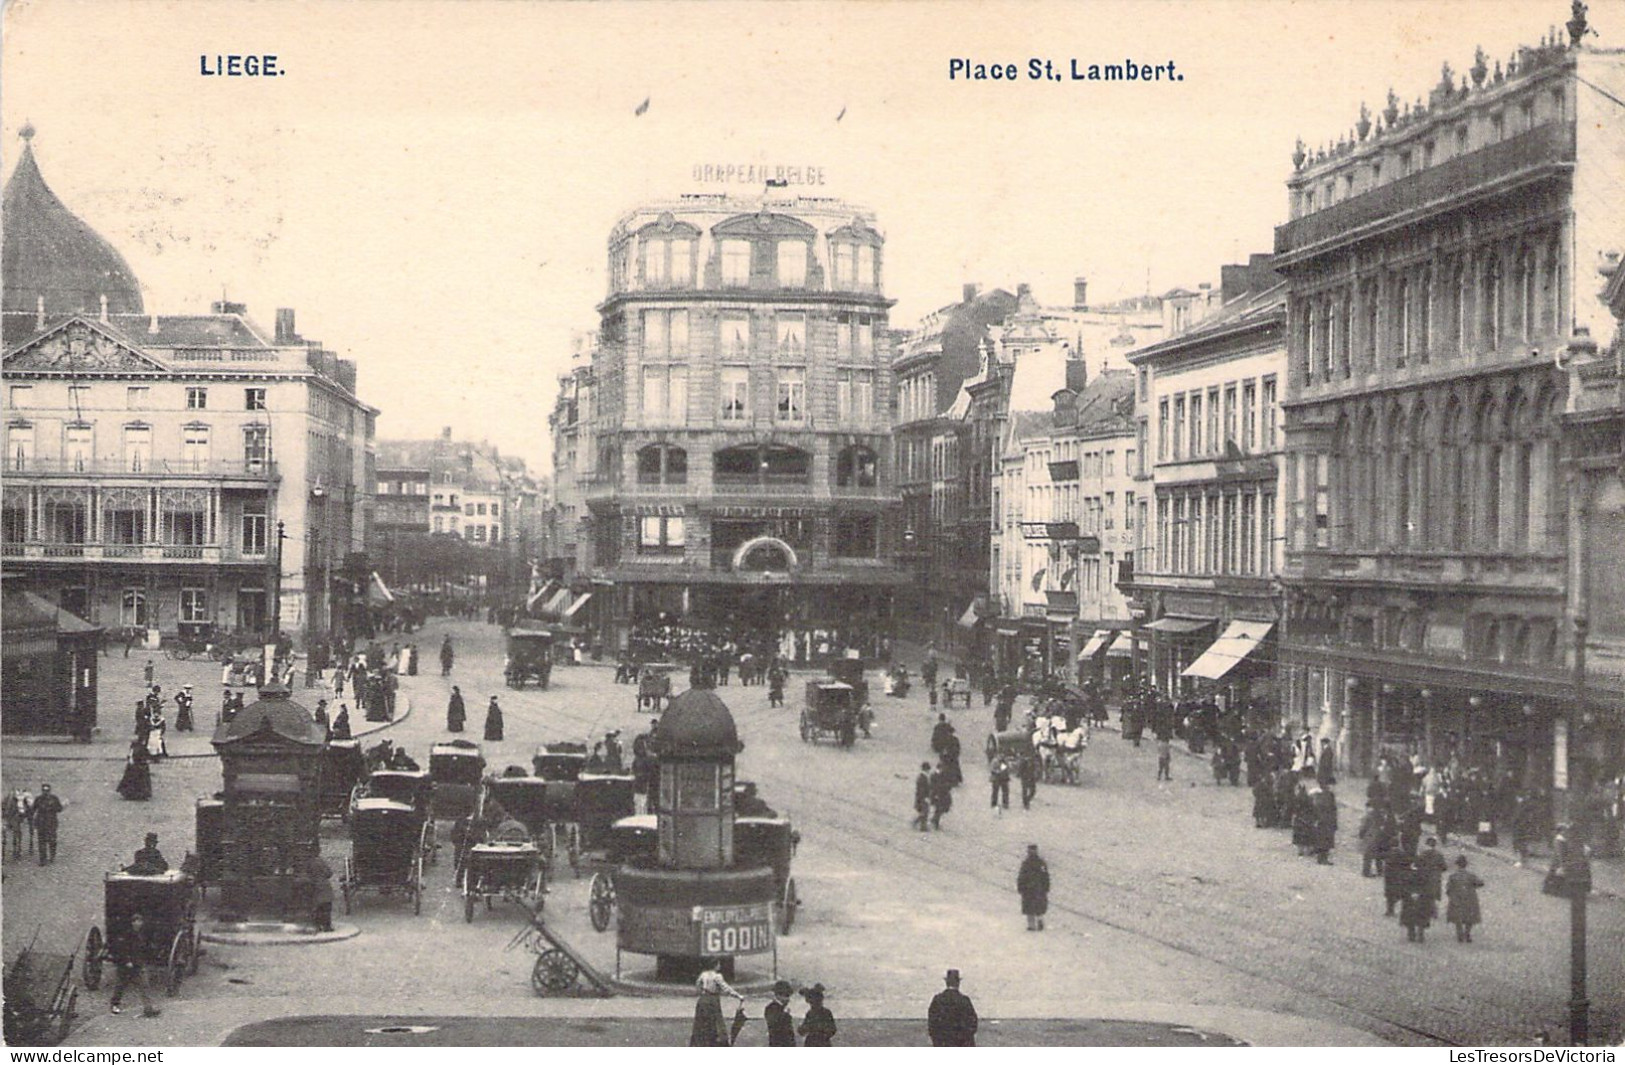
285, 332
970, 291
1080, 293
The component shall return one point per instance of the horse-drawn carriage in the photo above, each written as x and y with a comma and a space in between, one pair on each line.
458, 772
632, 840
832, 710
40, 998
343, 767
168, 940
1059, 752
510, 869
654, 686
530, 658
771, 841
388, 844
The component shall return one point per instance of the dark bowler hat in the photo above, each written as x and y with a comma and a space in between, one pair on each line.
952, 978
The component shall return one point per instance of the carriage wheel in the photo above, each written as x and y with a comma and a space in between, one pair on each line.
554, 971
787, 906
194, 954
357, 793
94, 954
65, 1018
468, 904
574, 851
806, 728
346, 885
177, 963
426, 844
601, 901
416, 886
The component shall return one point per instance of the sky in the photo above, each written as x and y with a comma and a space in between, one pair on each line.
431, 184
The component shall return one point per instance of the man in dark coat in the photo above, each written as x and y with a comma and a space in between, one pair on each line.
942, 795
1005, 709
922, 797
951, 1020
1430, 870
781, 1027
1323, 836
47, 808
1032, 884
456, 714
447, 657
149, 860
940, 733
493, 721
1027, 771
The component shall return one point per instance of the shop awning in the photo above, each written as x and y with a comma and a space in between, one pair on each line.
1096, 644
1007, 630
378, 591
1122, 647
581, 601
560, 600
1180, 626
967, 620
541, 594
1240, 639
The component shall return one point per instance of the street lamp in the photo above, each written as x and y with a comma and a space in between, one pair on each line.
276, 583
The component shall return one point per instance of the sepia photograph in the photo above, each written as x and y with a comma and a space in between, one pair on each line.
813, 523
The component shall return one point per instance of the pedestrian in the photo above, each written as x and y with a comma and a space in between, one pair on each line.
1430, 869
147, 673
710, 1029
1027, 772
818, 1026
1416, 911
493, 721
781, 1026
1032, 884
136, 783
447, 656
129, 960
1165, 759
922, 797
1263, 801
775, 686
999, 776
341, 724
322, 718
940, 733
47, 809
951, 1021
1462, 908
950, 759
1397, 875
183, 710
19, 811
1323, 834
1005, 708
942, 795
1373, 839
319, 877
1326, 764
456, 715
131, 636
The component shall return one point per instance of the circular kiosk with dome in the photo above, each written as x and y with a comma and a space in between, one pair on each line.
696, 893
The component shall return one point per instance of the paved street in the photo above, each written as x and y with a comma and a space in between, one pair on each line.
1168, 906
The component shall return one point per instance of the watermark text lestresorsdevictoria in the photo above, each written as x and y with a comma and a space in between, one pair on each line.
961, 69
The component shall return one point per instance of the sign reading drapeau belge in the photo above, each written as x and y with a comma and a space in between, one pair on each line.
780, 174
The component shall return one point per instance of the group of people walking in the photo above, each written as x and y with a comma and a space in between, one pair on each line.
38, 817
951, 1019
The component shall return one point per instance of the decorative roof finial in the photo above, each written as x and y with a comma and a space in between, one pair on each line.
1298, 155
27, 132
1363, 127
1481, 69
1498, 77
1390, 113
1577, 24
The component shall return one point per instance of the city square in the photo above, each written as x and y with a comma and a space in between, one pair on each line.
643, 600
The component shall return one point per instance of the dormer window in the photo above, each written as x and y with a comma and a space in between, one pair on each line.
1309, 199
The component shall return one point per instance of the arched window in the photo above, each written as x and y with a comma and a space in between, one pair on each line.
1517, 459
1528, 295
767, 464
1489, 303
856, 467
1342, 463
1418, 477
1397, 472
1488, 452
1424, 315
1551, 301
662, 464
1462, 284
1369, 507
1452, 503
1402, 321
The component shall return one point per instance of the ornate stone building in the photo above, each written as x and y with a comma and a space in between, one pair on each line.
741, 414
1441, 261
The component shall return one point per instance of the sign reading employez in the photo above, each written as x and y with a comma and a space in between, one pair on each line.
736, 929
757, 174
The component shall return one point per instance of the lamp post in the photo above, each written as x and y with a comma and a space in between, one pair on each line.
276, 583
1577, 874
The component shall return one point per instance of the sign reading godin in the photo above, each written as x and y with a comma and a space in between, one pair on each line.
696, 930
757, 174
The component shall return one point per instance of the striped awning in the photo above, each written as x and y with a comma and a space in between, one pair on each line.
1096, 644
1240, 639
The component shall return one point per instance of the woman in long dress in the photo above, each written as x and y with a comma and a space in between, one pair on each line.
455, 713
493, 721
156, 727
710, 1028
136, 784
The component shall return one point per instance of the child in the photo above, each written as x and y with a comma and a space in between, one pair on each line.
1165, 759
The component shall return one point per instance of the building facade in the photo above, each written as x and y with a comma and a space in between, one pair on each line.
741, 420
1208, 498
1442, 271
168, 472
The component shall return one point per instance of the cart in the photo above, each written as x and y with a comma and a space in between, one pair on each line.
40, 998
956, 690
632, 840
560, 761
386, 851
343, 767
654, 686
545, 807
507, 869
457, 769
602, 800
557, 968
409, 787
851, 671
530, 658
831, 710
167, 903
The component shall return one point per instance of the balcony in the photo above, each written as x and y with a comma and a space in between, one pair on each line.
260, 473
135, 554
1545, 148
1527, 572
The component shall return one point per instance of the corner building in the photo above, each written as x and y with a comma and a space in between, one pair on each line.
1442, 270
741, 421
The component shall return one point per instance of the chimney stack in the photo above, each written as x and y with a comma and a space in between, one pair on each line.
285, 332
1080, 293
1023, 290
970, 291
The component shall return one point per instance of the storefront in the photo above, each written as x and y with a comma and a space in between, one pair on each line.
1176, 642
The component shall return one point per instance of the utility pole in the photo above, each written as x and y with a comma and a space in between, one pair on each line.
276, 584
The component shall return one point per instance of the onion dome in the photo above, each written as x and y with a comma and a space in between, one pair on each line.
50, 253
697, 724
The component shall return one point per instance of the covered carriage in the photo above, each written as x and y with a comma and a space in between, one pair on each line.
530, 658
831, 710
167, 903
457, 770
343, 767
388, 843
655, 686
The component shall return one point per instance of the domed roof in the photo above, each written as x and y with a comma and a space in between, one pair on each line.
697, 724
50, 252
275, 713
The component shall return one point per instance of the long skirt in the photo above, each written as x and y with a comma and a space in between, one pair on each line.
493, 726
710, 1030
136, 784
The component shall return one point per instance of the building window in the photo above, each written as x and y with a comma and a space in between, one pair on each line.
665, 334
792, 263
479, 509
733, 336
735, 389
665, 393
22, 396
1266, 534
77, 447
137, 448
660, 536
1162, 430
1144, 449
857, 537
194, 606
792, 393
253, 399
256, 447
1196, 425
439, 525
855, 395
1128, 510
792, 329
856, 467
662, 464
468, 510
136, 397
736, 263
132, 612
1489, 304
846, 265
197, 399
476, 532
496, 510
1270, 412
1145, 385
868, 267
772, 464
1249, 416
256, 526
195, 447
1179, 428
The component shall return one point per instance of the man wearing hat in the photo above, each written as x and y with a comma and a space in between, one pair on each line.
47, 808
818, 1026
952, 1018
781, 1027
1032, 884
149, 860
